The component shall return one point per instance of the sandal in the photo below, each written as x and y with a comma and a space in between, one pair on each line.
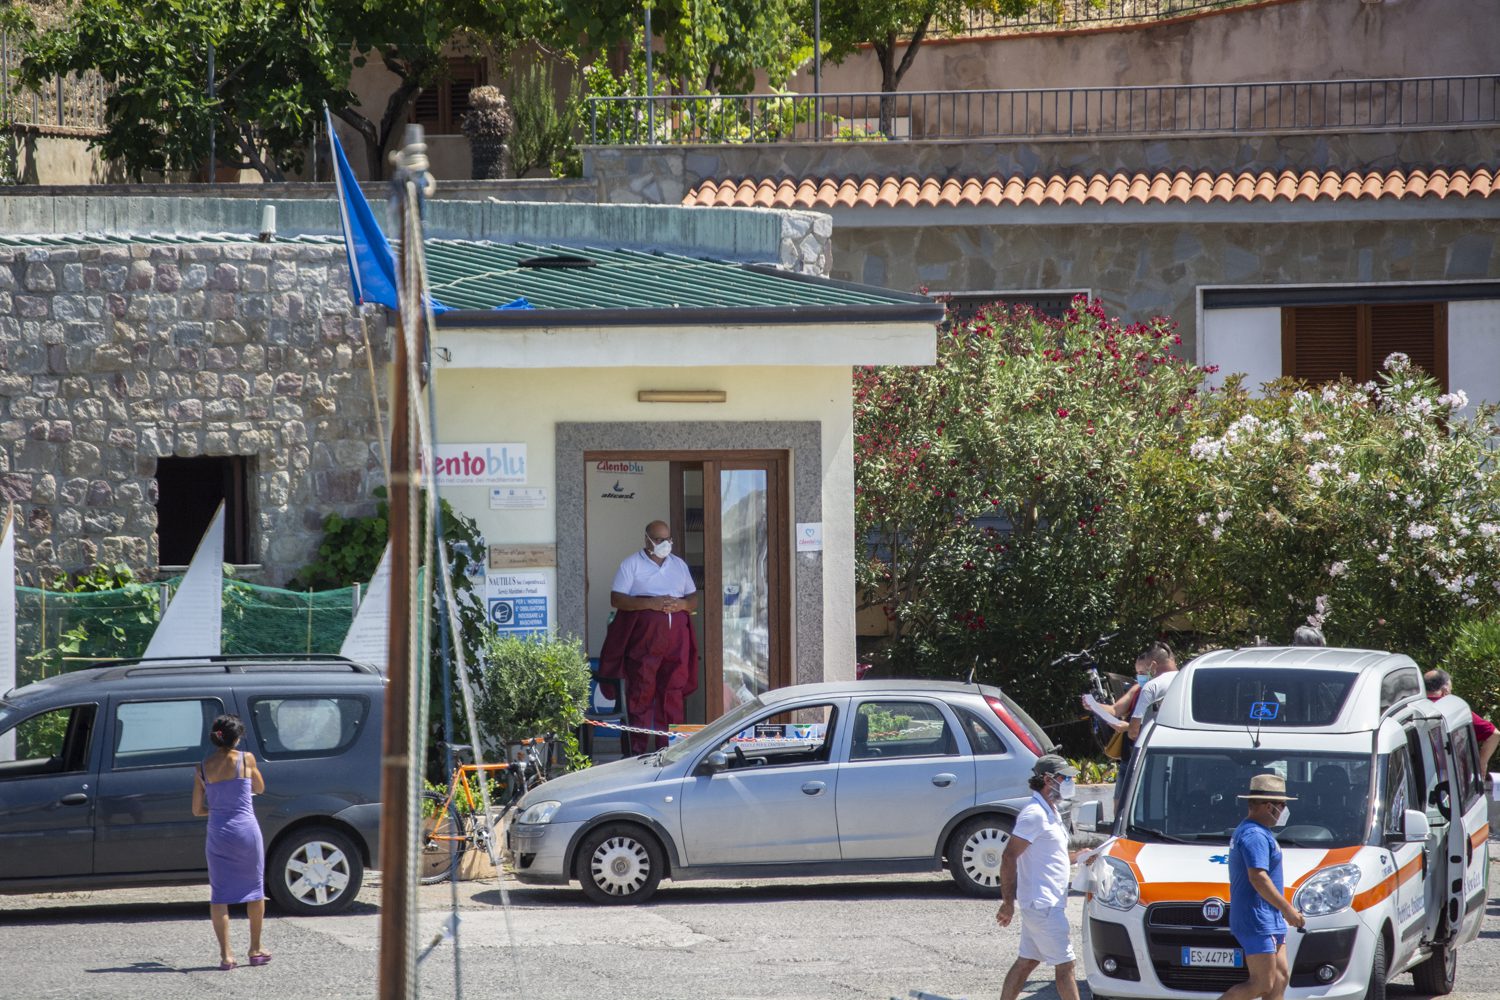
260, 959
231, 964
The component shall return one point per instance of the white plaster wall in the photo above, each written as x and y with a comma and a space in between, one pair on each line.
476, 405
1247, 341
1474, 349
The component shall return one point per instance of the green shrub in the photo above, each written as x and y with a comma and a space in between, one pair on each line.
1474, 661
532, 686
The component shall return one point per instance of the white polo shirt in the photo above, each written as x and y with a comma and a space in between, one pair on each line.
1152, 692
1042, 869
640, 576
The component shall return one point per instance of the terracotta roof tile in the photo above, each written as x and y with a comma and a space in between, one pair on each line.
1181, 187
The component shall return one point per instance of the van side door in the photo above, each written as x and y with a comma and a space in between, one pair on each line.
1400, 793
1470, 840
152, 746
48, 789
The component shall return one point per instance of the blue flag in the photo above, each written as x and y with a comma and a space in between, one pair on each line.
372, 269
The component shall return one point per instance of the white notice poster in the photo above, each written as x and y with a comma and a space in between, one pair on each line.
369, 633
518, 602
193, 622
8, 621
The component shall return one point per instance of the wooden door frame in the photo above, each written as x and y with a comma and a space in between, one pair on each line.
776, 463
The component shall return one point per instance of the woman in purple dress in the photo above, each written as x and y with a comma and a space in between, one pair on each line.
222, 786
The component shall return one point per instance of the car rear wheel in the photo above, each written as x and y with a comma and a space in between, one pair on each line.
1437, 974
619, 863
974, 853
315, 871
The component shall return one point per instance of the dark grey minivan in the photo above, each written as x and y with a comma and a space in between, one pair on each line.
96, 774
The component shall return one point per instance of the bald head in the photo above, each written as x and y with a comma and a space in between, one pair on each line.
658, 530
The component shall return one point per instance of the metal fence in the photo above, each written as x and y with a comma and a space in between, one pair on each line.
71, 102
1087, 13
1078, 112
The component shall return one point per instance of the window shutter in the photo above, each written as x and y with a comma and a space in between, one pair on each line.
427, 107
466, 74
1320, 343
1413, 328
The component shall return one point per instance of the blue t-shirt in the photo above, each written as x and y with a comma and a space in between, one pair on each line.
1253, 846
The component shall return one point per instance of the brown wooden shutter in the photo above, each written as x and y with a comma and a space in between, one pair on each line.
426, 110
1416, 329
1320, 343
464, 76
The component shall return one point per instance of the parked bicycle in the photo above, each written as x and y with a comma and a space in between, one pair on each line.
456, 822
1105, 687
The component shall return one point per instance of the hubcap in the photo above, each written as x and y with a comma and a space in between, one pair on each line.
317, 873
620, 865
981, 856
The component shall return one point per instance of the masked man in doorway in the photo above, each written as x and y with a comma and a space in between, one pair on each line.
650, 642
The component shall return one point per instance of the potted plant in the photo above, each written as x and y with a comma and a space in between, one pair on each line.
531, 686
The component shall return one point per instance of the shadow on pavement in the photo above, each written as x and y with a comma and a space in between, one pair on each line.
156, 967
138, 910
716, 892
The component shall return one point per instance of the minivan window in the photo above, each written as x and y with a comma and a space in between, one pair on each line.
163, 733
1470, 787
1270, 697
306, 727
1192, 796
54, 742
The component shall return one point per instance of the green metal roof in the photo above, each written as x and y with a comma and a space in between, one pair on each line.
578, 285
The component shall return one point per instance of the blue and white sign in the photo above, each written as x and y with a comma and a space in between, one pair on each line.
1264, 711
519, 603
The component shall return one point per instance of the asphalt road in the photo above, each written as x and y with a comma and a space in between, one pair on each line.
868, 938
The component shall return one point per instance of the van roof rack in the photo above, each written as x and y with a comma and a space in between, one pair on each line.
231, 663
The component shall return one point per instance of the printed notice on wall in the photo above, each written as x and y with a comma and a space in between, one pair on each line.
518, 603
480, 464
810, 537
518, 497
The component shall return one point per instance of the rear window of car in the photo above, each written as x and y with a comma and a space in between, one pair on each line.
1267, 697
307, 725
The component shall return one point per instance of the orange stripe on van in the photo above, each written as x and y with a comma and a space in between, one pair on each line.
1337, 856
1388, 885
1182, 892
1480, 836
1127, 851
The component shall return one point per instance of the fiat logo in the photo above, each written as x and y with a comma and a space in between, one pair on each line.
1213, 910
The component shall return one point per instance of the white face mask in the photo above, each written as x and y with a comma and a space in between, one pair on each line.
1065, 790
1282, 817
660, 549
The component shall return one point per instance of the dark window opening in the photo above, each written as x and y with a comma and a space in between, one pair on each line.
1226, 696
440, 107
188, 492
1327, 342
963, 306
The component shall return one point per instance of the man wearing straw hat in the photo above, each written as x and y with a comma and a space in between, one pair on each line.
1258, 910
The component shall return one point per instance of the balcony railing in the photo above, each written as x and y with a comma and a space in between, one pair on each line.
1445, 102
72, 103
1088, 14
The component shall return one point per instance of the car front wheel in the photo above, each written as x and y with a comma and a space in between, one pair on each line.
974, 853
314, 872
619, 863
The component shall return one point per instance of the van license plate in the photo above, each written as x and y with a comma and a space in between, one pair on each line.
1225, 958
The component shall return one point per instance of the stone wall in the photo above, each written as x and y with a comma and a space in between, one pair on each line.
114, 356
1142, 270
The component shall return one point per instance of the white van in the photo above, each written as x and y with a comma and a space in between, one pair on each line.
1386, 851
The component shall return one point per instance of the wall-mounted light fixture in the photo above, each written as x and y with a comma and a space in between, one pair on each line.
681, 396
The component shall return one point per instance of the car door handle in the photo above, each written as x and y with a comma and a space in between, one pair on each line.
813, 787
944, 780
75, 799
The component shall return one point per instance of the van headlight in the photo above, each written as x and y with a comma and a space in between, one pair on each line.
542, 812
1115, 885
1329, 891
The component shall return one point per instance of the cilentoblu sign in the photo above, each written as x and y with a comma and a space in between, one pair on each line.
480, 464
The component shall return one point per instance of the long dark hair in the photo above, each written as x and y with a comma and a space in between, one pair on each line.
226, 731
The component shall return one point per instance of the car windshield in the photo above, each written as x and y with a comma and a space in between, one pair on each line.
1191, 796
714, 733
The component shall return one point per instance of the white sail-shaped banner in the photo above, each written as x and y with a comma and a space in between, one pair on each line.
369, 633
193, 623
8, 621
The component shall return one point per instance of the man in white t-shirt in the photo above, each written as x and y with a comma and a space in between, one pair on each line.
1034, 871
650, 643
1163, 668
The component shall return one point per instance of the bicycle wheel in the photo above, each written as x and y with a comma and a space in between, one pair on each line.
439, 857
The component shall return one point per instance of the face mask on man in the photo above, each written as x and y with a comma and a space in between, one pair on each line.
660, 549
1282, 817
1142, 678
1065, 789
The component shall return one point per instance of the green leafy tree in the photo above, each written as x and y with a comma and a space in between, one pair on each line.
896, 29
998, 492
275, 62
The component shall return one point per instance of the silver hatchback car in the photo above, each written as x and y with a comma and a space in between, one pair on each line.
853, 778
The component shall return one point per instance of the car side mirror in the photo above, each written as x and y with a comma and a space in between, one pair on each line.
1415, 828
714, 763
1086, 817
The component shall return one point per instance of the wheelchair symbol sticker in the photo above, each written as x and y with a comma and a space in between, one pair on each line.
1264, 710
